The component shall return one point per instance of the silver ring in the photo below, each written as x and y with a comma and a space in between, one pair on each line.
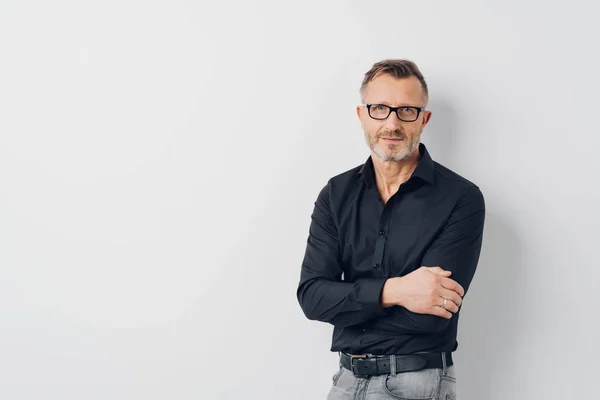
444, 305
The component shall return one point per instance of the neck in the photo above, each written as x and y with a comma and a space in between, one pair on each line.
391, 174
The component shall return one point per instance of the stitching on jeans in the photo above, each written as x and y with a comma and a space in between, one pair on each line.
357, 387
439, 388
364, 396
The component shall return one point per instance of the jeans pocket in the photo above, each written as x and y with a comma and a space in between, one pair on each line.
450, 374
337, 375
413, 385
448, 386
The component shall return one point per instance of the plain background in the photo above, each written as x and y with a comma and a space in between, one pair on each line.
159, 162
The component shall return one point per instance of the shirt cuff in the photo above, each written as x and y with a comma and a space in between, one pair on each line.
371, 290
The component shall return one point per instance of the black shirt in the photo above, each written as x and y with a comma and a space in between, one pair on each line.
356, 242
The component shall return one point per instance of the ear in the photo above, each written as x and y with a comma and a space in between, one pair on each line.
360, 111
426, 118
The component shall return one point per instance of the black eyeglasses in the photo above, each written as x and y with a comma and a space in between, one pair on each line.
404, 113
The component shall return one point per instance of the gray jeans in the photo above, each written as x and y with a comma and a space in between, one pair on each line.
426, 384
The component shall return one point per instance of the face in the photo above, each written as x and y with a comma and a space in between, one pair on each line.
392, 139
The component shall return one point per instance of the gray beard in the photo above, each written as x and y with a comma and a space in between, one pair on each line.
404, 153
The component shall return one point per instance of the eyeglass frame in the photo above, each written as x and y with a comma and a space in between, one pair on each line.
392, 109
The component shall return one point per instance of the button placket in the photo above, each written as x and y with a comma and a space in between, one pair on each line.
380, 241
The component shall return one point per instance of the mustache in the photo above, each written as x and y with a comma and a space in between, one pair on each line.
392, 134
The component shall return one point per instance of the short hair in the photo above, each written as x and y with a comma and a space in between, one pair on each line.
397, 68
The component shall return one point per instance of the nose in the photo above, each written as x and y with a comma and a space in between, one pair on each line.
393, 122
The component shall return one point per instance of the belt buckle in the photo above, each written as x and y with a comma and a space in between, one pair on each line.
354, 357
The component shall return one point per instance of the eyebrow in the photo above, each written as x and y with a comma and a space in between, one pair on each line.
401, 105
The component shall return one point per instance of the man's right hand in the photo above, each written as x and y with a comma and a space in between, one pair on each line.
423, 291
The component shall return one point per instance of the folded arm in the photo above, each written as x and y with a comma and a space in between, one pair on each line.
456, 249
322, 294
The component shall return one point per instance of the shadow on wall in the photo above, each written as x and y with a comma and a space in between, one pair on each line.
441, 134
489, 322
489, 319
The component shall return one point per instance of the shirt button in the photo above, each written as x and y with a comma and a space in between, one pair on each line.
376, 266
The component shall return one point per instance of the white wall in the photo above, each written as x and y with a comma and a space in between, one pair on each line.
159, 162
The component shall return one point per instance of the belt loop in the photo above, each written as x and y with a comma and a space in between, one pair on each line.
393, 365
444, 363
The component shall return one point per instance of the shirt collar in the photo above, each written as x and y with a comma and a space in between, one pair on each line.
424, 170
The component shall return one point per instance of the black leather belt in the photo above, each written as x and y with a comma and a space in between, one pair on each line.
368, 365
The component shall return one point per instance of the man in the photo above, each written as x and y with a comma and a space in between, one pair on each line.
392, 248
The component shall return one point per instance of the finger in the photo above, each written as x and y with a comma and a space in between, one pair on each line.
451, 306
453, 285
451, 295
441, 312
439, 271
